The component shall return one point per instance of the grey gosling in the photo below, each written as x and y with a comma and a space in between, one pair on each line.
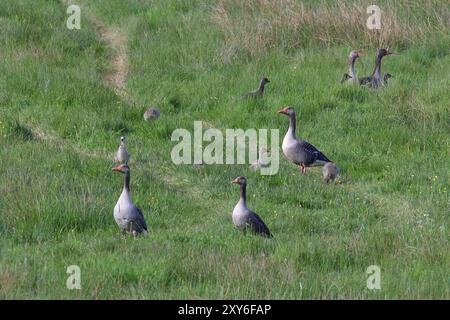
258, 92
330, 171
122, 155
151, 113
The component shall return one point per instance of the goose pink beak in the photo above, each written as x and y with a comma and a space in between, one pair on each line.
118, 168
284, 110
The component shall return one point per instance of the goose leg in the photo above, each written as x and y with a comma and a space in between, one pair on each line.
303, 168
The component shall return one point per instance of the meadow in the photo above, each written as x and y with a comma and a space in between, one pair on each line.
66, 97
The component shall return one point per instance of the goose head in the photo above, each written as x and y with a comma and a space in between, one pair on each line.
355, 54
264, 81
384, 52
346, 77
122, 139
122, 168
240, 181
287, 111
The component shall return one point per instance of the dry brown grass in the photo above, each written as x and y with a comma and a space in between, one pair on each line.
254, 25
7, 282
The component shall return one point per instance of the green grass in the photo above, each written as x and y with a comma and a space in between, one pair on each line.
60, 125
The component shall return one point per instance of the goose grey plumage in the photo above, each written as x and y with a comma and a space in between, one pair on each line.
330, 172
300, 152
122, 155
128, 217
151, 113
374, 80
258, 92
351, 77
244, 218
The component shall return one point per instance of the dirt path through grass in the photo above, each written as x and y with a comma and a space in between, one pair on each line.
117, 43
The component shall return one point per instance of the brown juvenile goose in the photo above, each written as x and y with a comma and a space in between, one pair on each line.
300, 152
374, 80
350, 77
244, 218
128, 217
258, 92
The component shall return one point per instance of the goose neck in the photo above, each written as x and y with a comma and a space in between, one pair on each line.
292, 125
243, 198
261, 86
126, 181
377, 71
351, 66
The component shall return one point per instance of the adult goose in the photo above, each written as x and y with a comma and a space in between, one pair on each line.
244, 218
128, 217
300, 152
122, 155
258, 92
350, 77
374, 80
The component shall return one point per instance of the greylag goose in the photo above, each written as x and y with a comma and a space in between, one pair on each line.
244, 218
351, 75
374, 80
386, 77
300, 152
330, 172
258, 92
122, 155
151, 113
262, 161
128, 217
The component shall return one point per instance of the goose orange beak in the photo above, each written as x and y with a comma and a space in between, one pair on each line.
284, 110
118, 168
